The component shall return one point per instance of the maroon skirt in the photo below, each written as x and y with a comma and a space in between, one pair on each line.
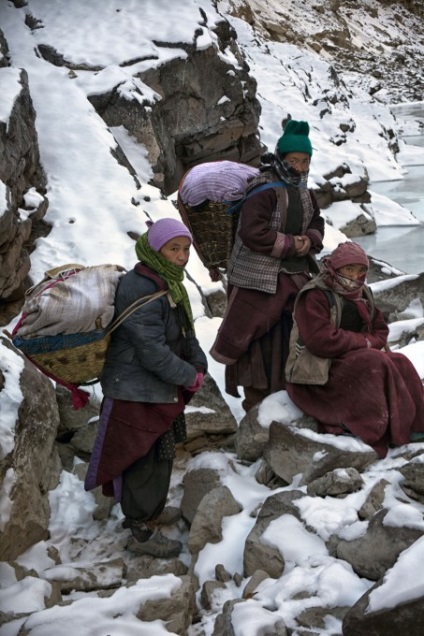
127, 431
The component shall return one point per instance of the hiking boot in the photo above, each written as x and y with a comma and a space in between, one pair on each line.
158, 546
168, 516
139, 530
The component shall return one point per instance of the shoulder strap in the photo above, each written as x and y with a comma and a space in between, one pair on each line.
337, 301
334, 300
265, 186
370, 297
140, 302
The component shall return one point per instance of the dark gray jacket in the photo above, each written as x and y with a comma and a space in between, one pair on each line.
144, 360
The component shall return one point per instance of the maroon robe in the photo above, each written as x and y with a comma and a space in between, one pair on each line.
376, 395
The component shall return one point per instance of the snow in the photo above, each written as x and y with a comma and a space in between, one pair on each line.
341, 214
11, 367
93, 204
390, 593
387, 212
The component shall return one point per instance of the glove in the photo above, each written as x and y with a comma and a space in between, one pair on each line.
196, 384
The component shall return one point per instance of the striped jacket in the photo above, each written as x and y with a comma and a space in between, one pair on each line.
259, 269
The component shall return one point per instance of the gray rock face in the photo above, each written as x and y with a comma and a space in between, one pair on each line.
33, 463
338, 483
208, 417
215, 129
413, 482
363, 224
405, 618
20, 170
4, 51
197, 483
177, 611
398, 298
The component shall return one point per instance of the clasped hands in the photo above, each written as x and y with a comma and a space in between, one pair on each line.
302, 244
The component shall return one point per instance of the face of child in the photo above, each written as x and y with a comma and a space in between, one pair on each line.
353, 272
177, 250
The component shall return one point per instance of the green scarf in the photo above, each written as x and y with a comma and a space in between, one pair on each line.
171, 274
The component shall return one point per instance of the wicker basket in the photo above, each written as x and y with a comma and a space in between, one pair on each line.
75, 359
213, 230
78, 358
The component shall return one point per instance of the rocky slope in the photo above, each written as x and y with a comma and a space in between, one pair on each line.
374, 44
356, 39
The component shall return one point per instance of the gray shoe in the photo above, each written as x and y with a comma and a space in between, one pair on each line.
139, 530
158, 546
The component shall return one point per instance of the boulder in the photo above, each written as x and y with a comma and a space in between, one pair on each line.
337, 483
258, 555
251, 437
377, 550
295, 451
206, 526
197, 484
29, 464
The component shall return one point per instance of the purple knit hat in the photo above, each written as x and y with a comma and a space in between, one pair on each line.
348, 254
164, 230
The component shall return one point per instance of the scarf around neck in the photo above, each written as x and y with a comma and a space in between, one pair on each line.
172, 274
287, 174
351, 290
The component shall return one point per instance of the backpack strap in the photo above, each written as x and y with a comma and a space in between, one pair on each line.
235, 207
370, 297
140, 302
334, 300
337, 301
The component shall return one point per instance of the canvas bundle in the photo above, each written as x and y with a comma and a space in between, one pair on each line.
302, 366
66, 323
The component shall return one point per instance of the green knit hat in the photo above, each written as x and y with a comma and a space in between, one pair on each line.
295, 138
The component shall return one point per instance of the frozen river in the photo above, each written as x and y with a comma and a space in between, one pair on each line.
400, 246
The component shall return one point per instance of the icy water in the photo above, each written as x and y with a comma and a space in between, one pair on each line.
400, 246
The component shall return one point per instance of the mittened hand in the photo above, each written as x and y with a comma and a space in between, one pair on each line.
197, 383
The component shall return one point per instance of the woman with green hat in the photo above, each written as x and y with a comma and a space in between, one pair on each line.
279, 233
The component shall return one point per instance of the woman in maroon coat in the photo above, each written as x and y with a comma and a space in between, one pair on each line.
371, 392
280, 231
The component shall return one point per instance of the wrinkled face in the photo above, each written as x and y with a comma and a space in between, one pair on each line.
177, 250
299, 161
353, 272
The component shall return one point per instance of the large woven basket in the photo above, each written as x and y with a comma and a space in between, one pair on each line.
213, 230
76, 359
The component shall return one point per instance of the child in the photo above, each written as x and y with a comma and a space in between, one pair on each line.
371, 392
